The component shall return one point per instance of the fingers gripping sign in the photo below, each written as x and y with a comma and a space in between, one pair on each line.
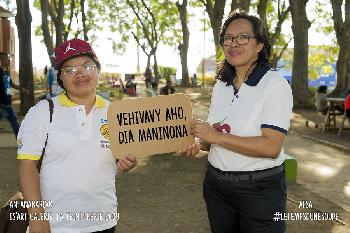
204, 131
191, 149
126, 163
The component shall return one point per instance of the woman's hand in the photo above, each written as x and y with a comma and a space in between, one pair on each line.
36, 226
204, 131
191, 149
126, 163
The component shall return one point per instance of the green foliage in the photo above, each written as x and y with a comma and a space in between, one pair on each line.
313, 73
93, 23
320, 58
148, 26
166, 71
206, 79
196, 3
327, 69
219, 54
323, 17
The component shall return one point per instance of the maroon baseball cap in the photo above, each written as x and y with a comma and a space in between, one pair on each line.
73, 48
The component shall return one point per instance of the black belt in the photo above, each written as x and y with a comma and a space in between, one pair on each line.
245, 175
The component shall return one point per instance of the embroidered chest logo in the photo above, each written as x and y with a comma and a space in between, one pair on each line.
104, 131
69, 48
223, 128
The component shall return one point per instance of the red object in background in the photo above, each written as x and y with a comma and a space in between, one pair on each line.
347, 102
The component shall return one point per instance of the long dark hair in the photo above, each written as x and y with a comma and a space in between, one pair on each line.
225, 71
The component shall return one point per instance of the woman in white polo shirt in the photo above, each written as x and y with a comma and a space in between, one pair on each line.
248, 119
78, 169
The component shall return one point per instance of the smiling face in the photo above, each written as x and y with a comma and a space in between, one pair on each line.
242, 55
80, 76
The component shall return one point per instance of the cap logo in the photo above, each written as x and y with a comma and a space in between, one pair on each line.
69, 48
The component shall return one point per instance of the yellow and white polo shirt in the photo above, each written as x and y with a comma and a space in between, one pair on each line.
263, 101
78, 169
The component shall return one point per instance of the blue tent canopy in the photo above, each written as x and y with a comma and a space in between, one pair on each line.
329, 80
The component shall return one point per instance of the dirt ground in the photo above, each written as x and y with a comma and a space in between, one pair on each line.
163, 194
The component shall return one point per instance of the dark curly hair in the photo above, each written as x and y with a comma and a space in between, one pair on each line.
225, 71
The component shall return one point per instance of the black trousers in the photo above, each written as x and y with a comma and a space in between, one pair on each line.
110, 230
245, 206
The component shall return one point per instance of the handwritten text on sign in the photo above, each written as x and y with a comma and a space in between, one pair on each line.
153, 125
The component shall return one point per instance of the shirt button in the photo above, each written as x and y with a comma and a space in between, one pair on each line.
80, 109
83, 124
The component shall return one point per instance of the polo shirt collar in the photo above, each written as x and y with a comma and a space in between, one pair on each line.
65, 101
258, 74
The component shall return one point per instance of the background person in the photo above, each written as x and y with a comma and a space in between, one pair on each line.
6, 109
168, 88
54, 88
320, 99
78, 170
148, 77
249, 116
154, 89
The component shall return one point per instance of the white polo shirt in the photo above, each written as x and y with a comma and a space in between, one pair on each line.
264, 101
78, 169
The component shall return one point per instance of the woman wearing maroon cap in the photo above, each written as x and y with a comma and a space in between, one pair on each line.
77, 177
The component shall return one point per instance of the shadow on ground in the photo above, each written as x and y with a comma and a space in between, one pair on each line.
164, 194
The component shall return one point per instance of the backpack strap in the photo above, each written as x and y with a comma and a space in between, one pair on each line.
51, 106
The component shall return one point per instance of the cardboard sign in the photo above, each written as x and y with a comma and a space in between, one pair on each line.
152, 125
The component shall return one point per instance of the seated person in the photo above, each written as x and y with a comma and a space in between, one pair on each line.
130, 83
154, 89
130, 87
168, 88
194, 80
320, 99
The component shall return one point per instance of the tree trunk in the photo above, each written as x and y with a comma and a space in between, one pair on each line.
216, 14
343, 70
183, 48
342, 30
300, 27
241, 4
83, 18
23, 22
59, 22
262, 12
274, 34
185, 76
67, 30
155, 68
148, 61
45, 27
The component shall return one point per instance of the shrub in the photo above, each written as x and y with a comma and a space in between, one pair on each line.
165, 71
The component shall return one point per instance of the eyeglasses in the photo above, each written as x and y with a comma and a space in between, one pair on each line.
86, 69
240, 39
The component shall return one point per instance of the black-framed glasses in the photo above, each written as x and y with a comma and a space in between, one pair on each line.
86, 69
240, 39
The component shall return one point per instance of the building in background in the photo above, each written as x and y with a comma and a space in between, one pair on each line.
7, 42
209, 66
